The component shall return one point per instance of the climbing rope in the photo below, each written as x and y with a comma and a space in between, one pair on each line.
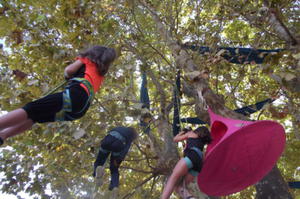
56, 88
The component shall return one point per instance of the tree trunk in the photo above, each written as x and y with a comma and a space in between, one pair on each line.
272, 186
192, 189
204, 95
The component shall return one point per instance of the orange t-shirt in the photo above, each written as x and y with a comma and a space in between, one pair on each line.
90, 73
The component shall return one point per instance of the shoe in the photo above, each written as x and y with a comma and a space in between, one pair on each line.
114, 193
1, 141
99, 175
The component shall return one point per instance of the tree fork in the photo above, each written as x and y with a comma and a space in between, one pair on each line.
200, 84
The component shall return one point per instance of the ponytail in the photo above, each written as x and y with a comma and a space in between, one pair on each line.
102, 56
108, 56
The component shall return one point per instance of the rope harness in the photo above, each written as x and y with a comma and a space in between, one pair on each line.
197, 150
64, 114
118, 136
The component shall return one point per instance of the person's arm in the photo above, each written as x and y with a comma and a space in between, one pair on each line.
71, 69
180, 136
184, 135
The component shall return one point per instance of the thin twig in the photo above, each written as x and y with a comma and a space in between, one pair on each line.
139, 185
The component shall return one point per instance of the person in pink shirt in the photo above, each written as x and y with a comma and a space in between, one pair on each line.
84, 76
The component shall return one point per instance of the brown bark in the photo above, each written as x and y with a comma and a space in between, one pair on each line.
272, 186
278, 26
184, 61
199, 84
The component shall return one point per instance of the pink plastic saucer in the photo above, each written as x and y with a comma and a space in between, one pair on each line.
241, 154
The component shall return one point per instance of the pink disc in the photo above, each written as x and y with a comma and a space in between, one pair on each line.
242, 153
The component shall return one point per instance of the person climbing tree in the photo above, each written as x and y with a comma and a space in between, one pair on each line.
190, 165
84, 76
117, 143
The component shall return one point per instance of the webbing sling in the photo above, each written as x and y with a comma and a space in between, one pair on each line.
67, 103
177, 103
145, 100
294, 185
247, 111
236, 55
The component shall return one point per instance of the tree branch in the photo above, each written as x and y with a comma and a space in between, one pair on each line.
160, 89
199, 82
136, 170
139, 185
280, 28
147, 159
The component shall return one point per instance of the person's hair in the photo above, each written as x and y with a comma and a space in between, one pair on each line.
135, 134
204, 134
102, 56
187, 129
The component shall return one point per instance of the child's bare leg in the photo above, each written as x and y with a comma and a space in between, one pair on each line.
13, 118
16, 129
180, 170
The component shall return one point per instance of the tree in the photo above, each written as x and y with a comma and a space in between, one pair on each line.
43, 38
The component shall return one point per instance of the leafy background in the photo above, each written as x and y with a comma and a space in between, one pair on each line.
41, 38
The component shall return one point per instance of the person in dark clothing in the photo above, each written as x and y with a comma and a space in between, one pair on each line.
190, 165
116, 143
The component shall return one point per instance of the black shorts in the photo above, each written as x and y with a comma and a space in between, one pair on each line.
195, 158
45, 109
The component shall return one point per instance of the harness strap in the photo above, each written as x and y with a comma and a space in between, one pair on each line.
62, 115
117, 135
198, 151
87, 84
67, 106
104, 150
